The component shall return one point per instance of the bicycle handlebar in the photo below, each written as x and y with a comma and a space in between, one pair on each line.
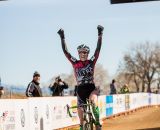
68, 108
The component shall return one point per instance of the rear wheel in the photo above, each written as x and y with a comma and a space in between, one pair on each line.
88, 126
88, 122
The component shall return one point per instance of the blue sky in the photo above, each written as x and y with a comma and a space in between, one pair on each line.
29, 40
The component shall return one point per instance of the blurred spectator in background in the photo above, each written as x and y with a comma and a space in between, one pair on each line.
113, 87
124, 89
58, 87
33, 89
1, 91
158, 88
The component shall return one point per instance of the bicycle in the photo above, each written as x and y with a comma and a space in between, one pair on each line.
88, 116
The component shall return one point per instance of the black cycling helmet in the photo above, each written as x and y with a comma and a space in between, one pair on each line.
83, 47
36, 74
113, 81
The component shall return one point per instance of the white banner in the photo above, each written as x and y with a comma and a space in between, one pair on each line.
60, 118
144, 99
102, 106
154, 98
36, 113
158, 103
134, 101
7, 115
118, 103
21, 114
51, 113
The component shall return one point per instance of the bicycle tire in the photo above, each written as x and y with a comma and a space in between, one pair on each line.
87, 126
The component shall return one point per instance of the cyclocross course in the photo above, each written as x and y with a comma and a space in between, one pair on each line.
144, 119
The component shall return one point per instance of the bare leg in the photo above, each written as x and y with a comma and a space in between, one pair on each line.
93, 97
80, 114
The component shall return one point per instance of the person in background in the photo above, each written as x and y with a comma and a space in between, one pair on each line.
112, 87
58, 87
124, 89
33, 89
1, 91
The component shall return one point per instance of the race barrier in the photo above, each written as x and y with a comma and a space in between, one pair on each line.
49, 113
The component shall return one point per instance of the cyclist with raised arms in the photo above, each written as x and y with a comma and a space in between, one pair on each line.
84, 73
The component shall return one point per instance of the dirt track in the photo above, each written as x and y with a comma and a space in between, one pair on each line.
145, 119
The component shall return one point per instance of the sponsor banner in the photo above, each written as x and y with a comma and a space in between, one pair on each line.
118, 103
139, 99
109, 111
158, 102
149, 99
7, 115
157, 99
109, 99
21, 114
102, 106
35, 113
133, 100
60, 118
75, 118
154, 98
127, 102
144, 99
51, 112
44, 112
109, 105
45, 119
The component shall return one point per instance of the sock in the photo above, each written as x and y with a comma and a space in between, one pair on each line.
95, 110
81, 128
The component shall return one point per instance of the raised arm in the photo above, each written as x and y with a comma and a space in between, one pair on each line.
64, 47
99, 43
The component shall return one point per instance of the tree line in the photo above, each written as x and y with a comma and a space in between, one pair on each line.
139, 68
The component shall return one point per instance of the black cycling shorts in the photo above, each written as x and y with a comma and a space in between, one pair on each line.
83, 93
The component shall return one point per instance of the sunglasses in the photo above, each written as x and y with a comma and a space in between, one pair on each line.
84, 52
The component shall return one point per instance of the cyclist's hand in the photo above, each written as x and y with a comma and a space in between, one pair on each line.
61, 33
100, 29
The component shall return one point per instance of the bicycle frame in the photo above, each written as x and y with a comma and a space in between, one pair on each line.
88, 116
